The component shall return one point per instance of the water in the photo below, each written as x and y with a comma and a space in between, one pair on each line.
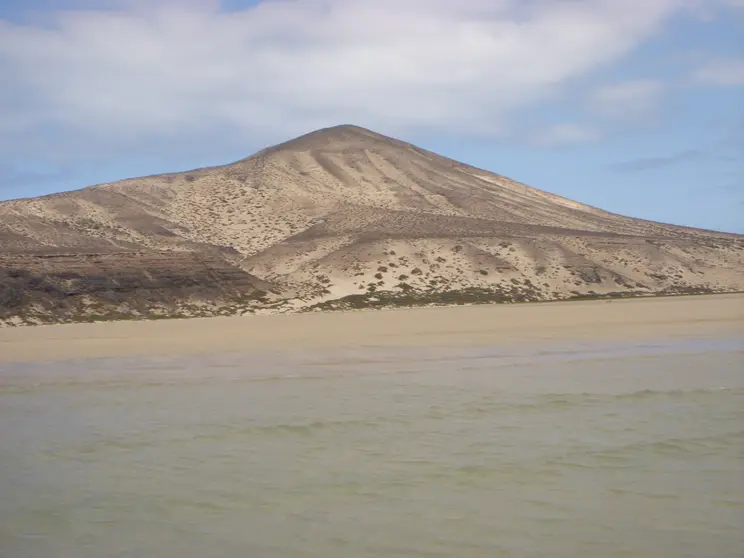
555, 451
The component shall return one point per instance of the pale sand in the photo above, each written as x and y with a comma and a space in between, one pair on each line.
689, 316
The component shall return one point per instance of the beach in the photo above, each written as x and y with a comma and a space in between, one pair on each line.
566, 429
628, 319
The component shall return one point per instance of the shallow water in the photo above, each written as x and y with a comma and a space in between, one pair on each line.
560, 451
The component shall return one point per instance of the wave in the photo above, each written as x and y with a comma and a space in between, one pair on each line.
506, 402
627, 455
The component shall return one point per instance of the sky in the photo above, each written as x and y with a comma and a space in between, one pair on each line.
634, 106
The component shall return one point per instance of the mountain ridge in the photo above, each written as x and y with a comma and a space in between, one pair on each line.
312, 221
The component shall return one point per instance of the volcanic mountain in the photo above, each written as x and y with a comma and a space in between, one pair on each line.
341, 217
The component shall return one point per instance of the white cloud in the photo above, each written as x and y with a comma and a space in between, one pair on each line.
707, 10
565, 134
722, 72
628, 100
88, 82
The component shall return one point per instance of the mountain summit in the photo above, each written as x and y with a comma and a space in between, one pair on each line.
339, 217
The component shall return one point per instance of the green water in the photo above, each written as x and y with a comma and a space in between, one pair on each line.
614, 451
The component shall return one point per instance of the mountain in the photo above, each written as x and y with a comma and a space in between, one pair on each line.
341, 217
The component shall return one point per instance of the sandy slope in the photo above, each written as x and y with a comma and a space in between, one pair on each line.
496, 325
345, 211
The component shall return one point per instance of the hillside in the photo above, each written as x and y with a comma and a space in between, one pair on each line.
341, 217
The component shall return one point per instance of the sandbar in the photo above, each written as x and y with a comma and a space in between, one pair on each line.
707, 316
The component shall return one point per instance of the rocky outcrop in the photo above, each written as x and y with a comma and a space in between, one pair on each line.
49, 288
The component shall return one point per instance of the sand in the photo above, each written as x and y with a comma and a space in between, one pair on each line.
687, 316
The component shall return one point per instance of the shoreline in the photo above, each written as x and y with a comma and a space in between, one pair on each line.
93, 319
456, 326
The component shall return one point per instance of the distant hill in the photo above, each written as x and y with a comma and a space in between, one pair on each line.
339, 218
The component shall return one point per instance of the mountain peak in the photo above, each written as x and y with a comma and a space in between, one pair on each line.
343, 130
340, 137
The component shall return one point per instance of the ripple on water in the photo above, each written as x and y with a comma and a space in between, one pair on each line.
561, 451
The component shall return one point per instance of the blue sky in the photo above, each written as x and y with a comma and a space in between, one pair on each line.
634, 106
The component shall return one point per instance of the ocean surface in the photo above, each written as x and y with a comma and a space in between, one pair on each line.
581, 450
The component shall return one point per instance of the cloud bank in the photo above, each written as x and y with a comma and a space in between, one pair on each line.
93, 81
